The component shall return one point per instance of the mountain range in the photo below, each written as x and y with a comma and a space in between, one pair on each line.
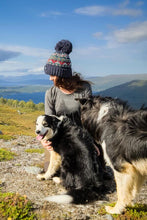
131, 87
135, 92
99, 82
41, 79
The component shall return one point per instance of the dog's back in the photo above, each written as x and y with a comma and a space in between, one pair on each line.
113, 121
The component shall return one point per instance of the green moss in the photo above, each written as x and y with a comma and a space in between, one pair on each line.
136, 212
6, 137
18, 164
40, 151
16, 207
6, 154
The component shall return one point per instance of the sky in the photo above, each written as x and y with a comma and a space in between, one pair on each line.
108, 36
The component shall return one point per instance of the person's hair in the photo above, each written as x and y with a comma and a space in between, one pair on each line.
74, 82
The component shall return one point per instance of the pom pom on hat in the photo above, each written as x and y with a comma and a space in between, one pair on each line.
64, 46
59, 63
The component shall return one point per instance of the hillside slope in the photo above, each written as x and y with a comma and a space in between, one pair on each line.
106, 82
135, 92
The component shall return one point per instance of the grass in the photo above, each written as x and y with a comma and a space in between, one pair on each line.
6, 137
136, 212
6, 154
16, 207
12, 123
40, 151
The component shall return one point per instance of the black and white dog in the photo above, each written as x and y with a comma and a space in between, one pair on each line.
122, 133
80, 170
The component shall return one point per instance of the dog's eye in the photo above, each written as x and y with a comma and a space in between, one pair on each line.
45, 124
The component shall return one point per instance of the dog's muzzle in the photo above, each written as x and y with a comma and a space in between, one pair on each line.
40, 136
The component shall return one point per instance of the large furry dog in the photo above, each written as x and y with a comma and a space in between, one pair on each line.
122, 132
80, 170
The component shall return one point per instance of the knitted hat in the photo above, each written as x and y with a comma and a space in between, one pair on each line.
59, 63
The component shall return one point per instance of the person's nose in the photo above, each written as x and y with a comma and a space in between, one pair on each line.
51, 77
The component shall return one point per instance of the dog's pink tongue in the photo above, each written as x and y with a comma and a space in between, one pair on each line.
39, 137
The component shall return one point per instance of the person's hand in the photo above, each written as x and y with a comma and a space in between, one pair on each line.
47, 145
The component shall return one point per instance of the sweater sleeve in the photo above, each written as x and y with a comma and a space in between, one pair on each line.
49, 102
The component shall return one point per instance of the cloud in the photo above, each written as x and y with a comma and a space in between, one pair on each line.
134, 33
51, 13
7, 54
15, 70
20, 67
91, 10
98, 35
98, 10
139, 3
30, 60
124, 4
36, 70
23, 50
127, 12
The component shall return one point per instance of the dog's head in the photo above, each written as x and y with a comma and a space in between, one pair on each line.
85, 104
46, 126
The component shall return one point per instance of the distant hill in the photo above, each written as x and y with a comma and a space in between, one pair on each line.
131, 87
135, 92
99, 83
102, 83
23, 89
41, 79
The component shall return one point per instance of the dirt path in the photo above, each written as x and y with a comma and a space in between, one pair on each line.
19, 175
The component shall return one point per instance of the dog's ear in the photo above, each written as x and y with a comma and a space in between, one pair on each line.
82, 100
56, 126
59, 124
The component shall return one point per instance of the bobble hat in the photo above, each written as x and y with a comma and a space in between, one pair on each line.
59, 63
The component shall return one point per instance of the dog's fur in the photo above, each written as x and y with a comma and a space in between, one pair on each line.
80, 171
55, 158
122, 132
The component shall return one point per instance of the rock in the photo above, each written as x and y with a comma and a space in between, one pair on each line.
109, 217
2, 183
20, 113
33, 169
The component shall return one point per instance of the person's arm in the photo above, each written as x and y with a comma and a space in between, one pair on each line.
47, 145
49, 102
49, 110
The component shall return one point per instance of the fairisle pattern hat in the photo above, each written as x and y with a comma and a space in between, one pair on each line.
59, 63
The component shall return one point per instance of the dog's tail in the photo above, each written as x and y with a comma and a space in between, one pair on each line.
63, 198
77, 196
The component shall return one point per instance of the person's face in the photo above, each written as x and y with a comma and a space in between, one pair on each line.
53, 78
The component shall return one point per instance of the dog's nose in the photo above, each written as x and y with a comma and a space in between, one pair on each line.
37, 131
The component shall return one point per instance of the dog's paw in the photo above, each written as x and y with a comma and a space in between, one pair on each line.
57, 180
114, 210
43, 177
40, 177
